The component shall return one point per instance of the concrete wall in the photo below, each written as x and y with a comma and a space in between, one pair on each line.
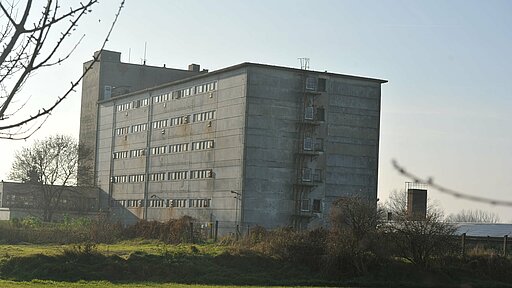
110, 74
352, 147
272, 114
258, 147
227, 101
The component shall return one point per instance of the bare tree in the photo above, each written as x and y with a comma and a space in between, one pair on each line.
474, 216
49, 165
418, 240
353, 233
32, 37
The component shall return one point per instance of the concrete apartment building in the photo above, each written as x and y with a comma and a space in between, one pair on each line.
249, 144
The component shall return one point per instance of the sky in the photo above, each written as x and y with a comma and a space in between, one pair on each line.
445, 110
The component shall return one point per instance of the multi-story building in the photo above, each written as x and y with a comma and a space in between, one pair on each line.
249, 144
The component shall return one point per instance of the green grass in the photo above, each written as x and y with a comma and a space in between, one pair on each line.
101, 284
122, 249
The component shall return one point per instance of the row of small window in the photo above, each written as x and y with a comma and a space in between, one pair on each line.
178, 94
165, 203
131, 129
311, 175
180, 120
316, 207
132, 153
174, 148
132, 105
161, 176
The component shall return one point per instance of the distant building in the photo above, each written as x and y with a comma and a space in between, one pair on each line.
19, 200
249, 144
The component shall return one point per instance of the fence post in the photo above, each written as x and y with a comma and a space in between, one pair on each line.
216, 229
463, 243
192, 232
505, 245
248, 230
237, 232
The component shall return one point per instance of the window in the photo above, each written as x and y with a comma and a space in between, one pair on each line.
203, 116
180, 120
159, 150
161, 98
309, 113
304, 205
123, 107
199, 203
136, 178
122, 131
119, 179
317, 203
317, 176
177, 175
177, 203
202, 145
160, 124
201, 174
176, 148
139, 127
138, 152
308, 143
160, 176
320, 114
322, 84
311, 83
306, 175
319, 144
120, 155
140, 103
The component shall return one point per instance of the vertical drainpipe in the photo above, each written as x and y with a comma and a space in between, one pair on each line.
112, 145
148, 156
244, 149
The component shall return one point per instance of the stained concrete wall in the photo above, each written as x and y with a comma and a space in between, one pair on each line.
122, 78
257, 141
224, 159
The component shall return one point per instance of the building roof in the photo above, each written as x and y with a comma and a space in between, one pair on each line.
484, 229
239, 66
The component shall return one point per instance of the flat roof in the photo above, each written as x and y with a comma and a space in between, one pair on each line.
239, 66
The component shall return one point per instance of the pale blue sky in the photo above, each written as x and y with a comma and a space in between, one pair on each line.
445, 108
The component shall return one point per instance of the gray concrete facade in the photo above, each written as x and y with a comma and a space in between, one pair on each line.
109, 77
250, 144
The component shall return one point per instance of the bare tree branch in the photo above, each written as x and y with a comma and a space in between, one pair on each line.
22, 54
448, 191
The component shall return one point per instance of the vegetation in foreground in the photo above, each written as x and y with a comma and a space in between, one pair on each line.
102, 284
358, 250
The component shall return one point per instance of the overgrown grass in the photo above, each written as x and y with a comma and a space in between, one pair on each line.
103, 284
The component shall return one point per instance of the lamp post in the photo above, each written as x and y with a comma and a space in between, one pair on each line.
238, 197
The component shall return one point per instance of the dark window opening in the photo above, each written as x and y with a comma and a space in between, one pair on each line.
321, 84
316, 206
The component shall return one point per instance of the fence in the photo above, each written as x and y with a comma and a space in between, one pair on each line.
492, 245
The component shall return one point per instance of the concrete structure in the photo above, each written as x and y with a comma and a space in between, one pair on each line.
108, 78
250, 144
416, 200
19, 200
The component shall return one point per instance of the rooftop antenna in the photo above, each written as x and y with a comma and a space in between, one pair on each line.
129, 54
304, 63
145, 47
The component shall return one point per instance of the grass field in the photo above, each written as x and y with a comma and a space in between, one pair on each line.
122, 249
101, 284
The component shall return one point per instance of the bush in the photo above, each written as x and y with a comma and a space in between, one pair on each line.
173, 231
